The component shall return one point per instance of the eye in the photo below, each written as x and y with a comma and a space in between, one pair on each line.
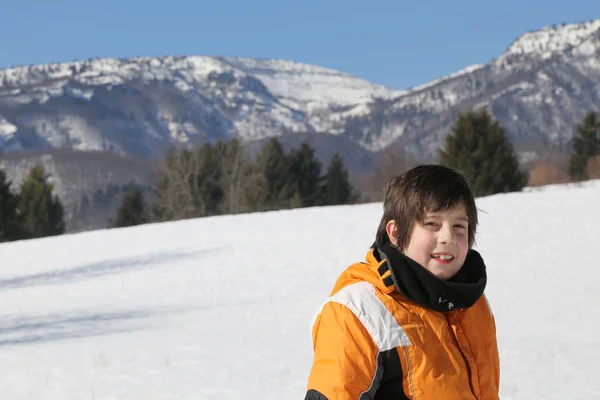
460, 226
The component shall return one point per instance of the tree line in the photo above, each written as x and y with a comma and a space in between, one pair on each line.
223, 178
211, 179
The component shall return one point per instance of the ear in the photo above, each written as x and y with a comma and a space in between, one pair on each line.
392, 232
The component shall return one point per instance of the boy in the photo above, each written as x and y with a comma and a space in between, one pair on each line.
411, 322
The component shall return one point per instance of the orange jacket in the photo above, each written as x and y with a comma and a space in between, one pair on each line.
372, 342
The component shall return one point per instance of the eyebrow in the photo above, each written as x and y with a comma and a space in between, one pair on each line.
432, 215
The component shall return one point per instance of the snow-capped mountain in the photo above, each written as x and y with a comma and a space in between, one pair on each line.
539, 88
140, 105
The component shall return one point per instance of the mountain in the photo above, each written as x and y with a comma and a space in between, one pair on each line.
538, 88
140, 106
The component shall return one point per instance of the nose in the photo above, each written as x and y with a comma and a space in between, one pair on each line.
446, 235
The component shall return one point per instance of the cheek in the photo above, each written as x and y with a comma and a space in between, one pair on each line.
426, 246
421, 246
463, 246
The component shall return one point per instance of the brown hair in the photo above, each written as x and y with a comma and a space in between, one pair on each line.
422, 189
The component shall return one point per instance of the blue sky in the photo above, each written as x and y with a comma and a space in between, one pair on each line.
395, 43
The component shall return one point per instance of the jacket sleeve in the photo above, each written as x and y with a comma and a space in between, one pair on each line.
497, 365
345, 356
494, 356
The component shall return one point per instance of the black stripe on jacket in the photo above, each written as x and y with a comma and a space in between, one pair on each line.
387, 383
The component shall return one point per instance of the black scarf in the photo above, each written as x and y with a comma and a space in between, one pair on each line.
418, 284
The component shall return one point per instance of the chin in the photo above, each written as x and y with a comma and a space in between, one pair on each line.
447, 276
443, 273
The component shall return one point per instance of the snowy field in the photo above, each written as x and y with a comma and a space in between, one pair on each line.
220, 308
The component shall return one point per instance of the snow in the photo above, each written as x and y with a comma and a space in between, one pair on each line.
181, 132
299, 82
83, 94
519, 87
6, 128
295, 92
71, 129
467, 70
7, 132
551, 40
220, 307
309, 83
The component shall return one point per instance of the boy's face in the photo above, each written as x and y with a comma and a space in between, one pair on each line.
440, 244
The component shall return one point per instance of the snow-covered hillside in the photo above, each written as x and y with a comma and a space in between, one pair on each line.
220, 308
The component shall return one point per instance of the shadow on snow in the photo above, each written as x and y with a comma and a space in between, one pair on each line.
95, 270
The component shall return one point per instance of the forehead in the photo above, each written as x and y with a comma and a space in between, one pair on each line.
458, 211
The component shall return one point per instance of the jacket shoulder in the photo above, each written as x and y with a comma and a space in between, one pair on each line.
363, 305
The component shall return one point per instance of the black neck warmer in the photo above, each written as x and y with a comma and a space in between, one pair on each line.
419, 285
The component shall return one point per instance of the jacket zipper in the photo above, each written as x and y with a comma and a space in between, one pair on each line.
410, 375
462, 353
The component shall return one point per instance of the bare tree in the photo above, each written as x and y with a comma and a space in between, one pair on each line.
546, 173
593, 167
392, 161
178, 186
212, 179
235, 168
244, 181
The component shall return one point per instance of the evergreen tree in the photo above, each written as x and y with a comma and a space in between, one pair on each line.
338, 189
209, 178
274, 165
586, 144
42, 213
132, 210
306, 174
478, 147
9, 215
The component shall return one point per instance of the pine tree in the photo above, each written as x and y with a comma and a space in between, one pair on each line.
209, 178
478, 147
132, 210
306, 174
586, 144
338, 189
274, 165
42, 213
9, 216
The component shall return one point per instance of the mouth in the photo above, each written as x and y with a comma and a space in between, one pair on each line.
442, 258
